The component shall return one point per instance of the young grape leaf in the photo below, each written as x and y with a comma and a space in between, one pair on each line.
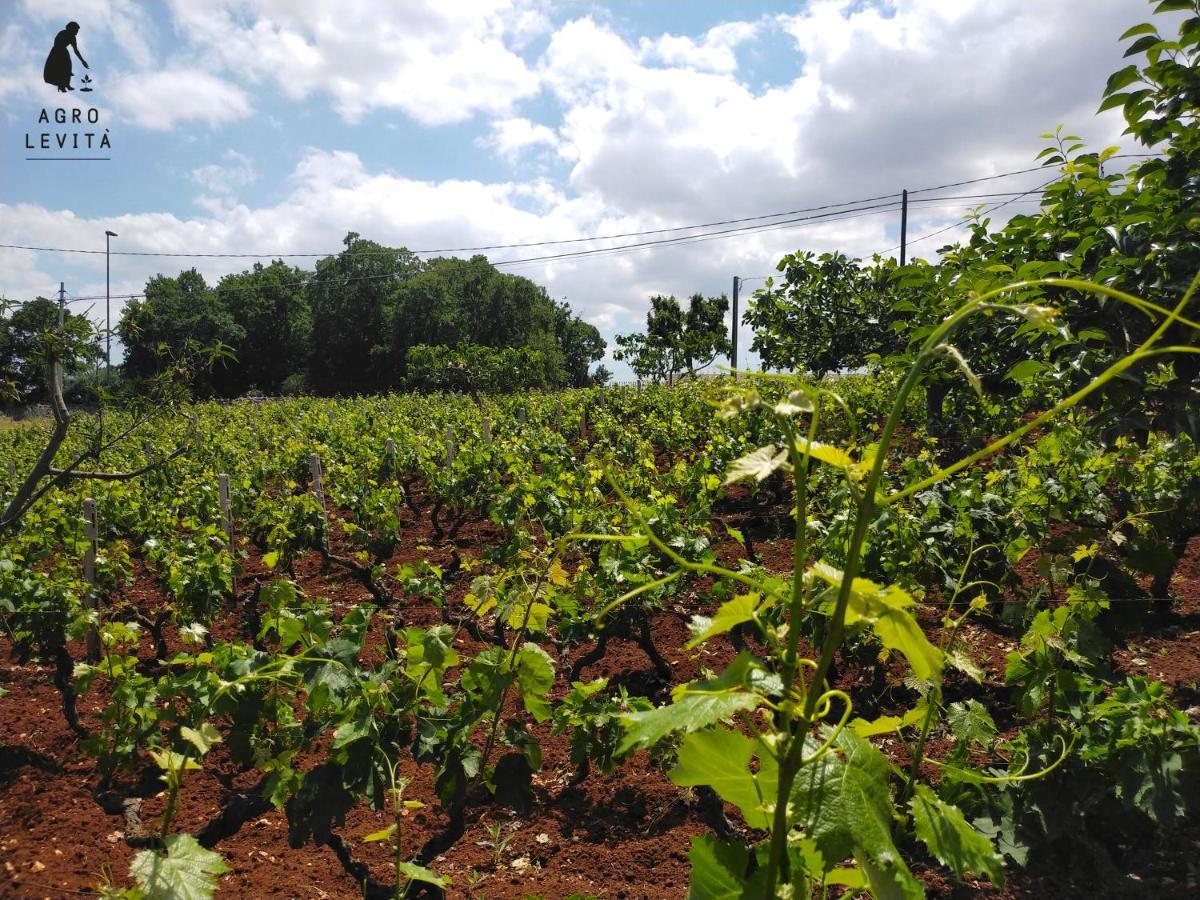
949, 837
699, 704
718, 870
185, 872
884, 610
413, 872
382, 834
887, 724
202, 739
720, 758
731, 613
826, 453
535, 676
757, 465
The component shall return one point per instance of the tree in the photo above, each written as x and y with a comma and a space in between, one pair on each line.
25, 330
48, 352
675, 341
178, 317
474, 369
352, 296
269, 305
580, 344
825, 314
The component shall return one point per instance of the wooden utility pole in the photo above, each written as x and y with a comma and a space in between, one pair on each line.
733, 356
903, 225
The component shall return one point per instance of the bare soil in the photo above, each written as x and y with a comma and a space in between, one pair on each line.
623, 836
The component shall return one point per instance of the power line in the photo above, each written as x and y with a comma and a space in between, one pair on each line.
985, 212
824, 218
546, 243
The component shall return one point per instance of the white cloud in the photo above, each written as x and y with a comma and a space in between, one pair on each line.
163, 99
437, 62
713, 53
510, 137
657, 132
127, 22
237, 172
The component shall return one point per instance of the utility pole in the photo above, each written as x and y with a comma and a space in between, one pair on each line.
62, 305
903, 224
108, 235
733, 356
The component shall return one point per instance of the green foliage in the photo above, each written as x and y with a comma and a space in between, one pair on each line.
356, 324
177, 316
27, 332
825, 314
675, 340
474, 369
183, 870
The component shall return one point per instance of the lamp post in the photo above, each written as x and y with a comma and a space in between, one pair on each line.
108, 235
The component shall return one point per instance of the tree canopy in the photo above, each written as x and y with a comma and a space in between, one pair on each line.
350, 326
677, 341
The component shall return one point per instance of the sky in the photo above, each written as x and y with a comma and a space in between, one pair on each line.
277, 126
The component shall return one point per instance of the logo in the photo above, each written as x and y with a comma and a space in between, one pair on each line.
82, 130
58, 70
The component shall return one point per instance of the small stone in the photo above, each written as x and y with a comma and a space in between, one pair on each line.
543, 838
37, 866
115, 837
521, 863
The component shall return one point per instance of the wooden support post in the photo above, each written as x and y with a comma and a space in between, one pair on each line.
487, 432
226, 508
448, 438
521, 414
318, 489
91, 535
558, 413
227, 527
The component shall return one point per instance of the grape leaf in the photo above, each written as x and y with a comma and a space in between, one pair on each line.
949, 837
730, 614
186, 872
535, 676
718, 870
720, 758
699, 704
757, 465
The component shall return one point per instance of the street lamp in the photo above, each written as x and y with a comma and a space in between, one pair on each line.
107, 310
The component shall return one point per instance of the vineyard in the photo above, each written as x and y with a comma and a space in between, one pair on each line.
548, 647
923, 621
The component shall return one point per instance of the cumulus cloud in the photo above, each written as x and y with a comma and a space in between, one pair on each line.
163, 99
236, 172
437, 62
511, 137
126, 22
713, 53
653, 132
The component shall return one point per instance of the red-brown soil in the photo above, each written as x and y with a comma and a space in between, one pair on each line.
624, 836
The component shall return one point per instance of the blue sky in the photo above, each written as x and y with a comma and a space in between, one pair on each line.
276, 126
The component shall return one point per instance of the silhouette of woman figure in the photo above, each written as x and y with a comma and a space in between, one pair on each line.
58, 63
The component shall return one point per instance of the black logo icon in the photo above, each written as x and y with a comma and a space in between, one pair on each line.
58, 70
